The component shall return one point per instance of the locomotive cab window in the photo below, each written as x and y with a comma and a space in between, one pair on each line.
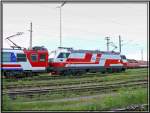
42, 57
21, 57
63, 55
123, 57
34, 57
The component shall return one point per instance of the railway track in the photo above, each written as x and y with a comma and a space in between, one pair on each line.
67, 81
50, 84
55, 77
81, 87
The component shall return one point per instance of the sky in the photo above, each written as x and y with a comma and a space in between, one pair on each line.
84, 26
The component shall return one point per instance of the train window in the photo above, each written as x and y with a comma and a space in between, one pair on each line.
123, 57
21, 57
6, 57
67, 54
51, 59
63, 55
77, 55
42, 57
34, 57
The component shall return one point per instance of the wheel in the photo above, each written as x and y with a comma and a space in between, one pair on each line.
103, 72
109, 70
123, 69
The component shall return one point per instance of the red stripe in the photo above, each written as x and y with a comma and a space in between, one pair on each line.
11, 65
57, 64
98, 58
111, 61
87, 58
38, 63
81, 63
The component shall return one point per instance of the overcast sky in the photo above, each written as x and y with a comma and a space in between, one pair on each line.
84, 26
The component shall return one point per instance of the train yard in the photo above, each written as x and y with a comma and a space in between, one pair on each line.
45, 76
38, 89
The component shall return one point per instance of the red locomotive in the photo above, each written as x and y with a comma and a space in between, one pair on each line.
65, 61
132, 63
22, 61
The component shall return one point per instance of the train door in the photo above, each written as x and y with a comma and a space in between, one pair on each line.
22, 59
43, 59
124, 61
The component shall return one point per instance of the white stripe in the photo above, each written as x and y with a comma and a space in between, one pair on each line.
93, 59
81, 65
13, 50
38, 68
104, 56
116, 64
102, 62
10, 63
142, 65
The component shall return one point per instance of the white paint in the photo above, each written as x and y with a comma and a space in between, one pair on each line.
111, 56
24, 65
94, 57
116, 64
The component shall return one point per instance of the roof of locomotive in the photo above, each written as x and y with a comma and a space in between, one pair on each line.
91, 51
94, 51
20, 50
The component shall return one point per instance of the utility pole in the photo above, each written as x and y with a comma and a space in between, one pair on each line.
61, 22
142, 54
108, 39
30, 35
60, 29
120, 43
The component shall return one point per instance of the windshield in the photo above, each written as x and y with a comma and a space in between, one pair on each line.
63, 55
123, 57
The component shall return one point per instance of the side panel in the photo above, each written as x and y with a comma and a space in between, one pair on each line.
26, 65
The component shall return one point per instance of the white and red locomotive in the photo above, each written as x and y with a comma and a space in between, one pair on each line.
68, 61
23, 61
62, 61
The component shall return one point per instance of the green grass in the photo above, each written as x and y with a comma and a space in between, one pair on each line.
125, 96
122, 98
6, 103
66, 94
129, 74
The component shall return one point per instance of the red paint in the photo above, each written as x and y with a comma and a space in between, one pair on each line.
111, 61
57, 64
124, 63
87, 58
11, 65
98, 58
37, 63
